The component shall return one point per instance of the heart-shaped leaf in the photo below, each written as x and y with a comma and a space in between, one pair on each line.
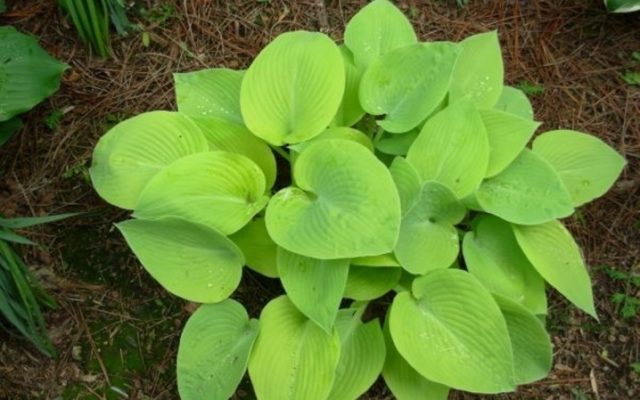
345, 206
532, 353
405, 382
428, 239
228, 136
293, 88
214, 351
314, 286
293, 358
508, 134
452, 149
408, 83
529, 191
136, 149
369, 283
350, 110
555, 255
588, 166
493, 255
362, 353
190, 260
452, 332
219, 189
479, 72
211, 92
375, 30
514, 101
28, 73
257, 247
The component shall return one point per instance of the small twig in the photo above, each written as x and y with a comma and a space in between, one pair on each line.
594, 384
323, 20
94, 348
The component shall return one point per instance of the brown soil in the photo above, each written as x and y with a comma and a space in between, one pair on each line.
116, 329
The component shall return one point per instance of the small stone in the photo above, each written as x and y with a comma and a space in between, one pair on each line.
76, 353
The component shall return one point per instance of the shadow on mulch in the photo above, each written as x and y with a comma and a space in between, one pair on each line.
117, 331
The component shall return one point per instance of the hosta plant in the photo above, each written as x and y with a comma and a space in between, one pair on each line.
410, 179
28, 75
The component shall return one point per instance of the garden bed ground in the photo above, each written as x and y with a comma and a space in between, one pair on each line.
116, 330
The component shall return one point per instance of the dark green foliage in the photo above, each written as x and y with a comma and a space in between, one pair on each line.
91, 19
21, 296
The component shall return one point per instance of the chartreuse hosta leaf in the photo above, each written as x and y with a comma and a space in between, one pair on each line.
428, 239
340, 132
258, 248
479, 72
362, 353
588, 167
28, 74
369, 283
214, 351
408, 183
493, 255
135, 150
529, 192
532, 353
314, 286
350, 110
403, 380
345, 204
453, 149
508, 134
234, 138
451, 331
514, 101
211, 92
190, 260
408, 83
555, 255
375, 30
293, 358
219, 189
293, 89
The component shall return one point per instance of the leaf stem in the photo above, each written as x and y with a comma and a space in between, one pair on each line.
378, 135
280, 151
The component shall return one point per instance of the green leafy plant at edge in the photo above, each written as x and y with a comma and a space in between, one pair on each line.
91, 20
411, 178
29, 75
626, 301
21, 296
